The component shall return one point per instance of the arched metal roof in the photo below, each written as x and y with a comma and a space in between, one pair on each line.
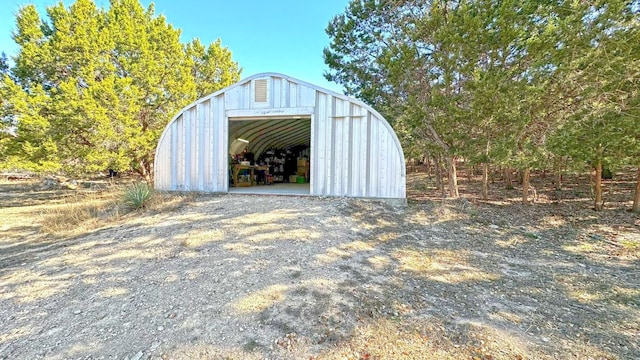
354, 150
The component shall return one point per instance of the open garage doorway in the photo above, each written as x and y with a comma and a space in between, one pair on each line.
270, 155
353, 151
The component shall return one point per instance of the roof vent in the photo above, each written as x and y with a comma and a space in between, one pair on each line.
261, 90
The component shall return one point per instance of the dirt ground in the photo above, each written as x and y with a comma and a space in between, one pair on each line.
274, 277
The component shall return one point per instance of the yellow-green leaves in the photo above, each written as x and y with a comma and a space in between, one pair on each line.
93, 88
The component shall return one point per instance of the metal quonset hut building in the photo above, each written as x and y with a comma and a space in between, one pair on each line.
353, 151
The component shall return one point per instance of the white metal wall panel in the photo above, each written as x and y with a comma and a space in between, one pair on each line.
192, 155
354, 151
294, 95
359, 164
204, 180
307, 96
276, 91
318, 167
221, 162
233, 98
174, 136
374, 168
163, 175
180, 145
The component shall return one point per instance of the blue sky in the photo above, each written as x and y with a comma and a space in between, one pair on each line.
285, 36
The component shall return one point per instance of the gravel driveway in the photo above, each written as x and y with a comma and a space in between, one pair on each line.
253, 277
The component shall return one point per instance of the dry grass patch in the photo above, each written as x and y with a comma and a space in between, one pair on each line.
85, 211
82, 212
203, 350
444, 266
261, 300
165, 202
388, 339
630, 247
200, 238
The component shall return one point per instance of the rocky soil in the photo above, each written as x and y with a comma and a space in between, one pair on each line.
254, 277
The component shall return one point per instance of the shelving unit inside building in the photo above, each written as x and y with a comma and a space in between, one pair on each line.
271, 133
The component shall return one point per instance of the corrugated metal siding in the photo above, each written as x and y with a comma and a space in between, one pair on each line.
354, 151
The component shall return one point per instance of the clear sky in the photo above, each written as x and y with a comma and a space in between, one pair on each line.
285, 36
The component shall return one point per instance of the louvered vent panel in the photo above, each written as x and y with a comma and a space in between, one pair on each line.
260, 88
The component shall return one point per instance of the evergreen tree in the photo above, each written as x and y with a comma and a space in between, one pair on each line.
213, 68
99, 86
600, 66
508, 83
4, 64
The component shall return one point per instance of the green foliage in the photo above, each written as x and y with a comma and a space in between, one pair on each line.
25, 144
604, 69
93, 88
4, 64
212, 67
508, 83
138, 195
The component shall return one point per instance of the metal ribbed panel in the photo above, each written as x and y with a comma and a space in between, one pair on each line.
221, 145
354, 151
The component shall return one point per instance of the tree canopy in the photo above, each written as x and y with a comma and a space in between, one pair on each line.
507, 83
92, 89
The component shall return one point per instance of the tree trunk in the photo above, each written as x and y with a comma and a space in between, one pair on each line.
485, 181
557, 169
598, 202
427, 163
525, 186
508, 179
452, 177
144, 170
470, 173
636, 199
438, 170
450, 160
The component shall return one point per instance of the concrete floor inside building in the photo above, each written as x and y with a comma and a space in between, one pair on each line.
275, 189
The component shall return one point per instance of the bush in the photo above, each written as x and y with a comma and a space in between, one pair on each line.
138, 195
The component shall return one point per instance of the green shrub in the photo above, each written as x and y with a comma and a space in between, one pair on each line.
137, 195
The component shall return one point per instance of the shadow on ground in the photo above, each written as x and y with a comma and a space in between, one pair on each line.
253, 276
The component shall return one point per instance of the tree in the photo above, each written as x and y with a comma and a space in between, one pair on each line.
104, 83
4, 64
388, 54
507, 83
26, 138
458, 69
213, 68
601, 65
359, 39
